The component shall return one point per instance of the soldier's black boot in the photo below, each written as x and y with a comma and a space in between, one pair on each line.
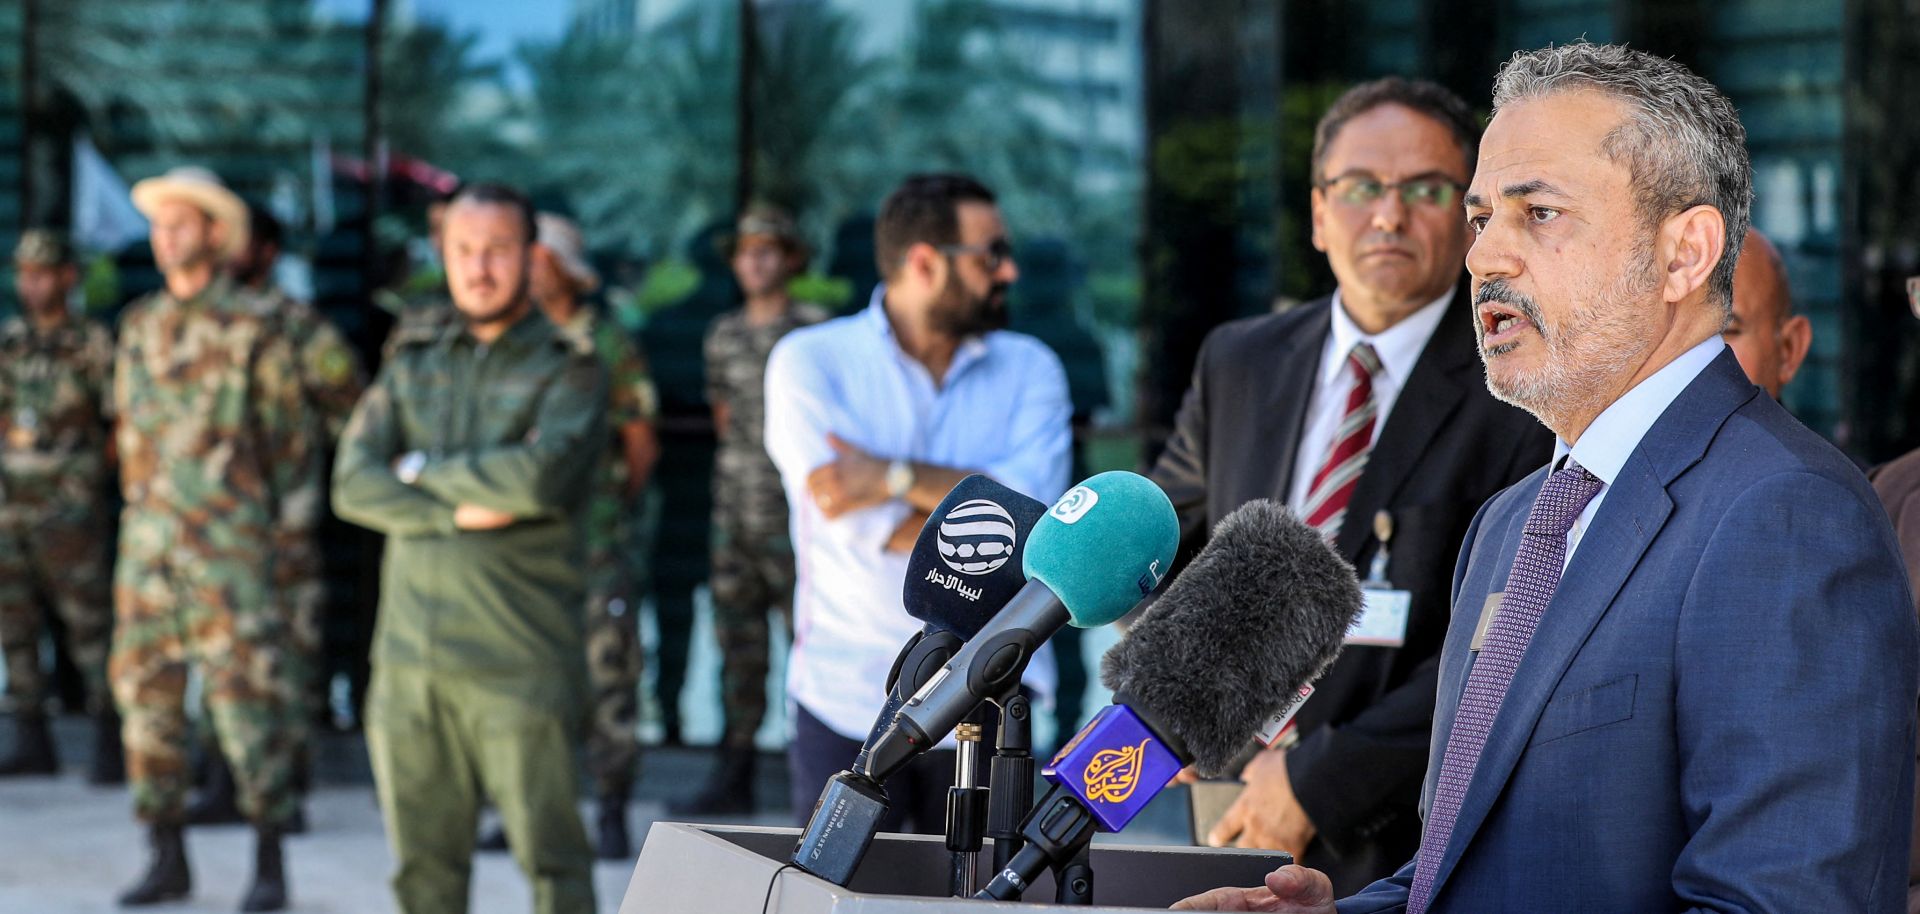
109, 758
32, 747
729, 792
167, 877
610, 838
269, 889
216, 803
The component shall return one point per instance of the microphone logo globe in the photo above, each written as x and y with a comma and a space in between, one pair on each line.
977, 537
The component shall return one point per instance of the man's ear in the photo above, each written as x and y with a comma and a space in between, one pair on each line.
1795, 340
1690, 246
1317, 205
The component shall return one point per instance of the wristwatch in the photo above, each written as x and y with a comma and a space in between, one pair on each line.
408, 469
899, 478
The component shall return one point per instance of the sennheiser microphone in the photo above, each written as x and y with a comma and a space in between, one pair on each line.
1101, 548
963, 568
1260, 612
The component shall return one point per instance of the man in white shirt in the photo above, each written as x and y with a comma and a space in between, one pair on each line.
871, 419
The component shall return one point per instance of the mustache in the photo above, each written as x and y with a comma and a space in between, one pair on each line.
1497, 290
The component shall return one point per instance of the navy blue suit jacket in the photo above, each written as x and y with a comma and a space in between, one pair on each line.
1717, 709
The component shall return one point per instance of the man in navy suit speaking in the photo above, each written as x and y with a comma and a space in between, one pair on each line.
1682, 666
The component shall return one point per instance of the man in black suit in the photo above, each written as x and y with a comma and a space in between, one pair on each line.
1366, 412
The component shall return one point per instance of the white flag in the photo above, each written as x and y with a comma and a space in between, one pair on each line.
104, 218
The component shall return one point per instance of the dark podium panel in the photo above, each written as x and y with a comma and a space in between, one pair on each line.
729, 870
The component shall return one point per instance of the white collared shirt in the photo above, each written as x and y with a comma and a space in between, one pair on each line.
1399, 347
1002, 410
1614, 434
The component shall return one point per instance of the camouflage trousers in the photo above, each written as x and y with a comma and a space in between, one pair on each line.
202, 597
301, 591
616, 576
752, 573
58, 558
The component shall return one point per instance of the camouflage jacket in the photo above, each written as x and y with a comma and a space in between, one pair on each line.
209, 415
330, 372
736, 355
631, 397
53, 410
514, 426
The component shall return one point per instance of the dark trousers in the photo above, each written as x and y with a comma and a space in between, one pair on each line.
917, 795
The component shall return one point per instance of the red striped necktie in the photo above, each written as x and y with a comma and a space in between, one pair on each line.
1333, 485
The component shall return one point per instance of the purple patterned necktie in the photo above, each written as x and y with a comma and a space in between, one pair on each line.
1530, 585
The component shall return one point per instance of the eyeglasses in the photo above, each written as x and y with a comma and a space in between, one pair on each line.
995, 253
1366, 190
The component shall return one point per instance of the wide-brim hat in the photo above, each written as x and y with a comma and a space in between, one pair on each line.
559, 235
203, 189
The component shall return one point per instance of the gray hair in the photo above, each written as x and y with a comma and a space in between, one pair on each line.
1683, 142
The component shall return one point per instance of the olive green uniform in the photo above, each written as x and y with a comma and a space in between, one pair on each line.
479, 681
55, 545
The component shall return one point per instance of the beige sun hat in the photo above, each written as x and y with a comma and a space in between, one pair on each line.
203, 189
560, 235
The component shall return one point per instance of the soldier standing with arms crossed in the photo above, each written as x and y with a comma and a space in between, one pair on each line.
55, 454
474, 452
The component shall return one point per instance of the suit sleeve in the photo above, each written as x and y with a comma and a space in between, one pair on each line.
545, 474
365, 491
1794, 706
1181, 470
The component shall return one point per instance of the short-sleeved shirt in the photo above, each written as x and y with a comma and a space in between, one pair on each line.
1002, 410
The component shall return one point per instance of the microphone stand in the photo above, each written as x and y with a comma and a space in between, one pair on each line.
966, 809
1010, 792
1073, 878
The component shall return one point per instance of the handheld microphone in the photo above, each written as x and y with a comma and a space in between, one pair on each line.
1260, 612
1101, 548
964, 566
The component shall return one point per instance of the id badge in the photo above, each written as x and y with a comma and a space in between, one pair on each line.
1383, 618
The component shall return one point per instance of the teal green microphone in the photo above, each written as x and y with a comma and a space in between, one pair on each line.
1095, 554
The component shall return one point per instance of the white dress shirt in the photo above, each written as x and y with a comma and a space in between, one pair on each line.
1002, 410
1398, 347
1614, 434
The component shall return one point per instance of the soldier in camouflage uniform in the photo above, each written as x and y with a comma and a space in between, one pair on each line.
214, 447
331, 381
474, 452
560, 276
54, 527
752, 554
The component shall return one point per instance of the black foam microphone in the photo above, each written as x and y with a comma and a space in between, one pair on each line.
1260, 612
963, 568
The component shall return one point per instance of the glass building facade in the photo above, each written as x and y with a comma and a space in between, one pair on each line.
1151, 157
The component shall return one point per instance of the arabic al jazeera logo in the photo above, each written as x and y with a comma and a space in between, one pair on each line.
1114, 773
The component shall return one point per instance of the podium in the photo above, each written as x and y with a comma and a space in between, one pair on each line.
723, 869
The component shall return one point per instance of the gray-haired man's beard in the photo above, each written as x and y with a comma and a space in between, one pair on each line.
1587, 349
